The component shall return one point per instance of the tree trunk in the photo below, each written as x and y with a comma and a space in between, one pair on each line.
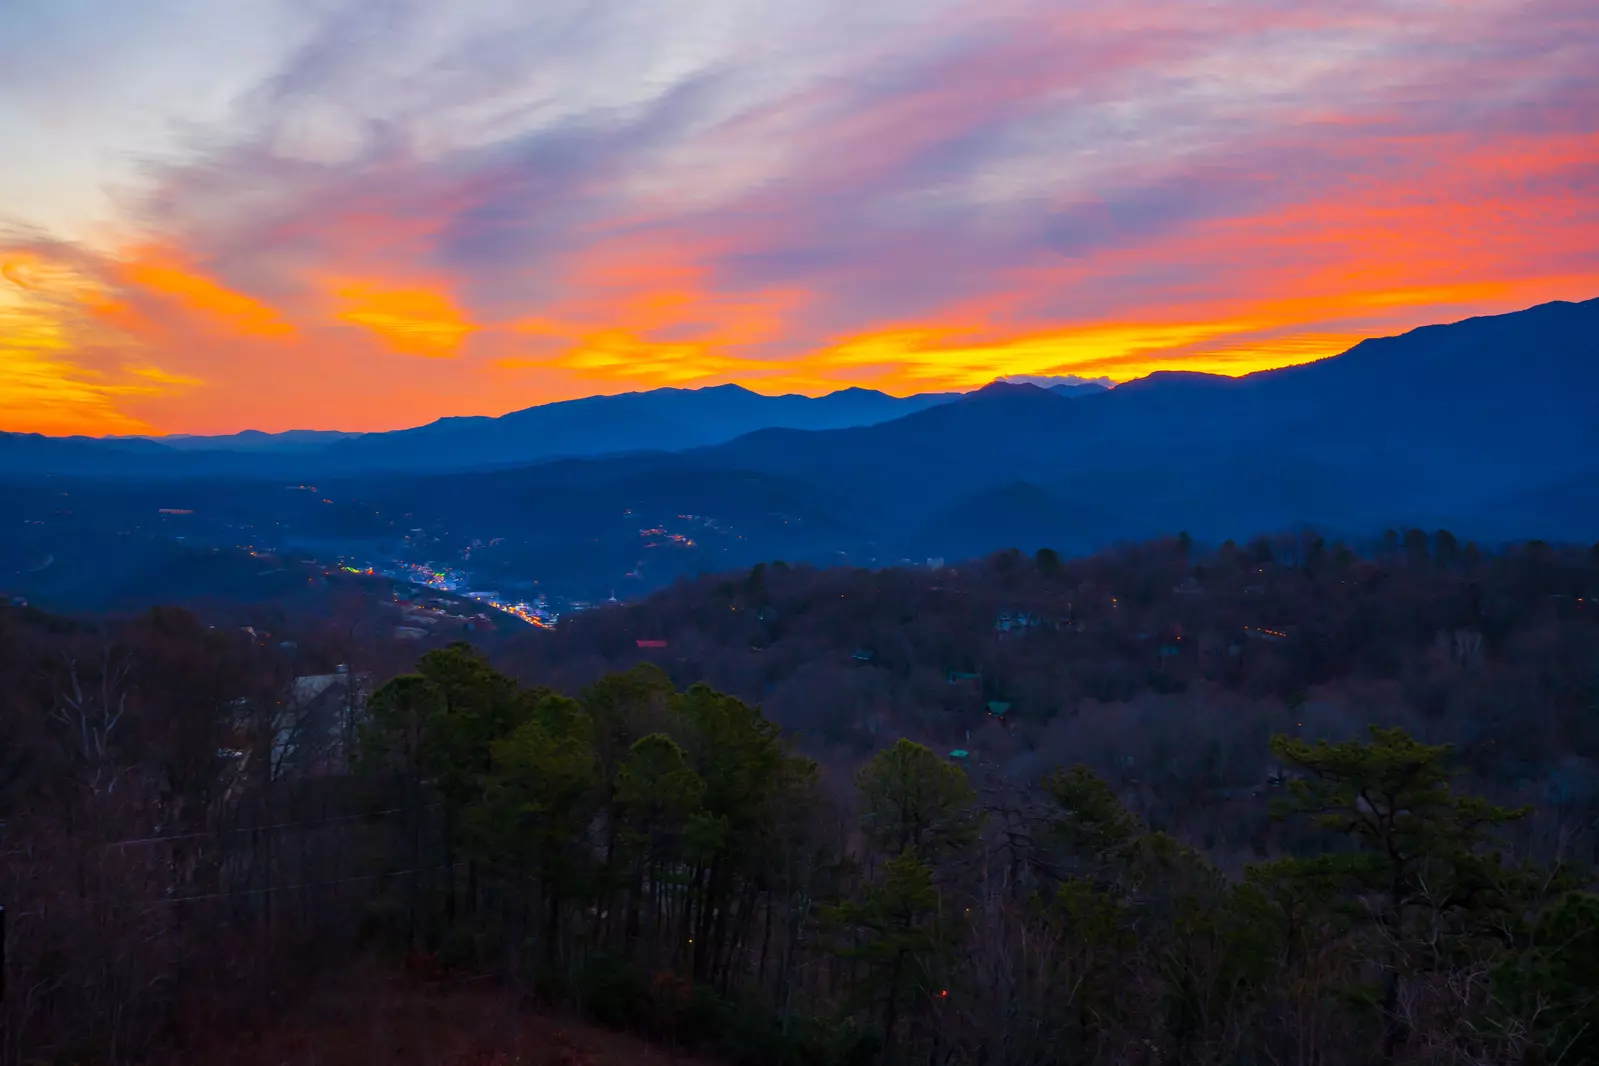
685, 953
1395, 1032
418, 932
552, 931
449, 865
766, 943
891, 1009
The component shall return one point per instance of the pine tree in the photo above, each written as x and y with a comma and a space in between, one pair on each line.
899, 933
536, 807
1424, 861
911, 800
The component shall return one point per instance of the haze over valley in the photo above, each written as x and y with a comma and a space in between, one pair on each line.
622, 495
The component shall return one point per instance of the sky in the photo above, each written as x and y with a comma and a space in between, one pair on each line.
362, 215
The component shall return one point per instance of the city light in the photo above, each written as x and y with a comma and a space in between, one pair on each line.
448, 579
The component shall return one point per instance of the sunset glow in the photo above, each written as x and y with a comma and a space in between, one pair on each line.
391, 218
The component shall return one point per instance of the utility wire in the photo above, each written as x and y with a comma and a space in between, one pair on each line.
263, 828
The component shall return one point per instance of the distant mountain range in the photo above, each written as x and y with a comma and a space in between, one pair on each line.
249, 440
1443, 424
659, 420
1487, 427
1078, 390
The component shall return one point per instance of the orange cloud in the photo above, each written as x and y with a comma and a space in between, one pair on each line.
47, 327
621, 355
947, 359
1012, 201
646, 317
410, 321
201, 294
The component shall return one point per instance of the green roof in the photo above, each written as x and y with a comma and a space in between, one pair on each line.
997, 706
959, 753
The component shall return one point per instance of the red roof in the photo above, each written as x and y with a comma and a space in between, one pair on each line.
652, 643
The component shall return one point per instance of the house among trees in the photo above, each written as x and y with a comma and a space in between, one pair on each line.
1008, 622
313, 732
956, 677
998, 709
1275, 776
1461, 646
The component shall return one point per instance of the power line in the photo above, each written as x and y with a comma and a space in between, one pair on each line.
289, 888
261, 828
268, 890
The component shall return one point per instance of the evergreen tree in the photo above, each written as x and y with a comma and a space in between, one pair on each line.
911, 800
1551, 989
531, 822
899, 933
1423, 864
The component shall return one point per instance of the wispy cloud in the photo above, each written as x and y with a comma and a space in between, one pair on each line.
417, 210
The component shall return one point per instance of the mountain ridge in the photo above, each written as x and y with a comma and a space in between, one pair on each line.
1483, 427
665, 419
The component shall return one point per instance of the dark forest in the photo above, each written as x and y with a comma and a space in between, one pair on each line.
1273, 803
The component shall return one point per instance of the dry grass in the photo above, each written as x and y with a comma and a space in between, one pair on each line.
369, 1016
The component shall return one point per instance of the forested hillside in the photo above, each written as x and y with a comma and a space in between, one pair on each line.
1276, 803
1162, 667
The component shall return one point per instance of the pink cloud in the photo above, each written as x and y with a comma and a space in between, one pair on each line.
994, 190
